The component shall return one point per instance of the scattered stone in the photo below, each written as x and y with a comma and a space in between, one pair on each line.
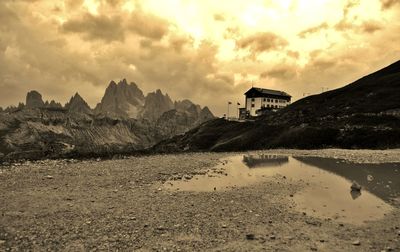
356, 243
48, 177
224, 226
314, 223
2, 242
188, 177
272, 237
355, 186
370, 178
250, 236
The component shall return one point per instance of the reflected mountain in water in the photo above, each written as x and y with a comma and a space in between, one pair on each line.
253, 161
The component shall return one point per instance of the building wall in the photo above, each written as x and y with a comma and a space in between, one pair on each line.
254, 104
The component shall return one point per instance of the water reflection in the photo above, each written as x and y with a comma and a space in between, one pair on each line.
253, 161
327, 194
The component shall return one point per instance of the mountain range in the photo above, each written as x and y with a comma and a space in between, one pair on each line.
124, 121
363, 114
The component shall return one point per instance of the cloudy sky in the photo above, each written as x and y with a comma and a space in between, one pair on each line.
205, 50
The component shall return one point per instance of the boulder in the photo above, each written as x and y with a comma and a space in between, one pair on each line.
355, 186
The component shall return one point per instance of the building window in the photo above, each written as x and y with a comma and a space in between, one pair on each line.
276, 101
252, 105
265, 99
252, 99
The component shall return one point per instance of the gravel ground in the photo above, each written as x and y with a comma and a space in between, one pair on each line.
97, 205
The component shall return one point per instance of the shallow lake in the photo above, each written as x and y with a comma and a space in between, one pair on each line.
327, 193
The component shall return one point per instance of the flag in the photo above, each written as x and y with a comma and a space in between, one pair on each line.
238, 104
229, 102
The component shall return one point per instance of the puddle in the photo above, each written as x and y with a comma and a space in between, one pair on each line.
327, 194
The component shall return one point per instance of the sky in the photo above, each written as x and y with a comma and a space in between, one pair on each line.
208, 51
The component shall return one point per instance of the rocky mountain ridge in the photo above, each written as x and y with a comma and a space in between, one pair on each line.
120, 101
124, 121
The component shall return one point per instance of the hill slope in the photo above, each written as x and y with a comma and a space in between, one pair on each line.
363, 114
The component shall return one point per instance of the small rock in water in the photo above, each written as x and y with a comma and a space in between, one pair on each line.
250, 236
355, 186
356, 243
370, 178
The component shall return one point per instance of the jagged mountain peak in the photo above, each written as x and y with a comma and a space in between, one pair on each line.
78, 104
34, 99
121, 100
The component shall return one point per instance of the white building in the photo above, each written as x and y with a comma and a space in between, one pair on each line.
259, 100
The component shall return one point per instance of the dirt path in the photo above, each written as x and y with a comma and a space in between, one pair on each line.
120, 205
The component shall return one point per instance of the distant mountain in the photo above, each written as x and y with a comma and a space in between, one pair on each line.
124, 121
363, 114
78, 104
121, 100
155, 105
53, 104
181, 119
34, 100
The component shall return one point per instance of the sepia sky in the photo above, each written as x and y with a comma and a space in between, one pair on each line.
205, 50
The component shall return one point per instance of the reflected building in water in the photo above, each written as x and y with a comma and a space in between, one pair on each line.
254, 161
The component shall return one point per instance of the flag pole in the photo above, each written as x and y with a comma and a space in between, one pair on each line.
227, 115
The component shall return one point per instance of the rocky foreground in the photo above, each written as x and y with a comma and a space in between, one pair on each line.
72, 205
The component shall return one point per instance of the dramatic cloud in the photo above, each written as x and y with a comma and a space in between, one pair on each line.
313, 30
262, 42
148, 25
280, 72
207, 51
96, 27
386, 4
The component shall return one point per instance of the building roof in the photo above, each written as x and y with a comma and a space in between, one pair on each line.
263, 91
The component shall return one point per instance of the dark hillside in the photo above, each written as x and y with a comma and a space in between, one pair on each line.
375, 93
